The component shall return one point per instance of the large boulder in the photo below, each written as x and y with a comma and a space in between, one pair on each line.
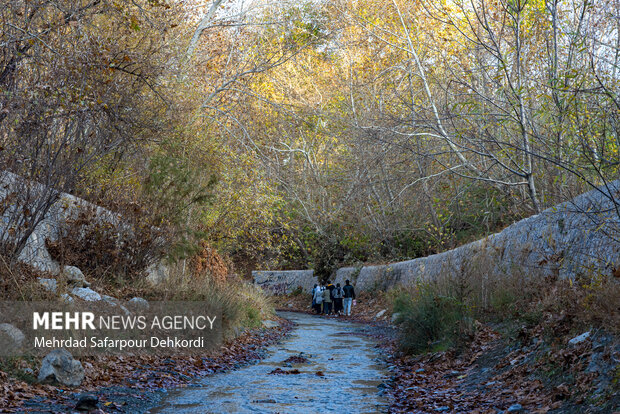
60, 367
49, 284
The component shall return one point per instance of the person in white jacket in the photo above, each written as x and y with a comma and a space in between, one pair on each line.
317, 296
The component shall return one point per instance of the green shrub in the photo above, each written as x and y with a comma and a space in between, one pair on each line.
429, 321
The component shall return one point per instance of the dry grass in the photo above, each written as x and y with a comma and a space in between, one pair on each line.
241, 303
19, 282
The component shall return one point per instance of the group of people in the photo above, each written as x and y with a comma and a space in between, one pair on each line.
333, 300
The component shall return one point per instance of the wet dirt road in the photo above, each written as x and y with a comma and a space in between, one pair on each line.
349, 363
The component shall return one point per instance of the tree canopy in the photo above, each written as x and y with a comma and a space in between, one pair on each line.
313, 133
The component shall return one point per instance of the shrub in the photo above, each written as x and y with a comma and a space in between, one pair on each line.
108, 251
429, 321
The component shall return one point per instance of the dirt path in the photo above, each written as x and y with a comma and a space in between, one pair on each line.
330, 368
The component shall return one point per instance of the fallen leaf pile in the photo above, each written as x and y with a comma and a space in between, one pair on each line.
489, 378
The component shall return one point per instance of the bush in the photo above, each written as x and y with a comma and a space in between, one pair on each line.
429, 321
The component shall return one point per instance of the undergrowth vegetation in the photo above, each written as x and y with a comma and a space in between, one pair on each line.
431, 319
203, 277
241, 303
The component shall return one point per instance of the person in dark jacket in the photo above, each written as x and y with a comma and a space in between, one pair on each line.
313, 292
338, 295
349, 296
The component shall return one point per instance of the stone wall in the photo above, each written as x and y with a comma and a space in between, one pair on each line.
581, 236
284, 281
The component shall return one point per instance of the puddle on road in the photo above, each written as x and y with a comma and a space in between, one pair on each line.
349, 384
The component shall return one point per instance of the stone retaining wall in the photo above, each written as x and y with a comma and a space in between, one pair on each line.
284, 281
579, 236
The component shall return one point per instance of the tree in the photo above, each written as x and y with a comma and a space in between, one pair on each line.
79, 84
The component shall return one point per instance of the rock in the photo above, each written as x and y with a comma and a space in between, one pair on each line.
270, 324
11, 338
395, 317
157, 273
112, 301
87, 402
67, 298
60, 367
49, 284
420, 370
17, 193
36, 255
74, 276
579, 339
515, 408
86, 294
380, 313
138, 303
